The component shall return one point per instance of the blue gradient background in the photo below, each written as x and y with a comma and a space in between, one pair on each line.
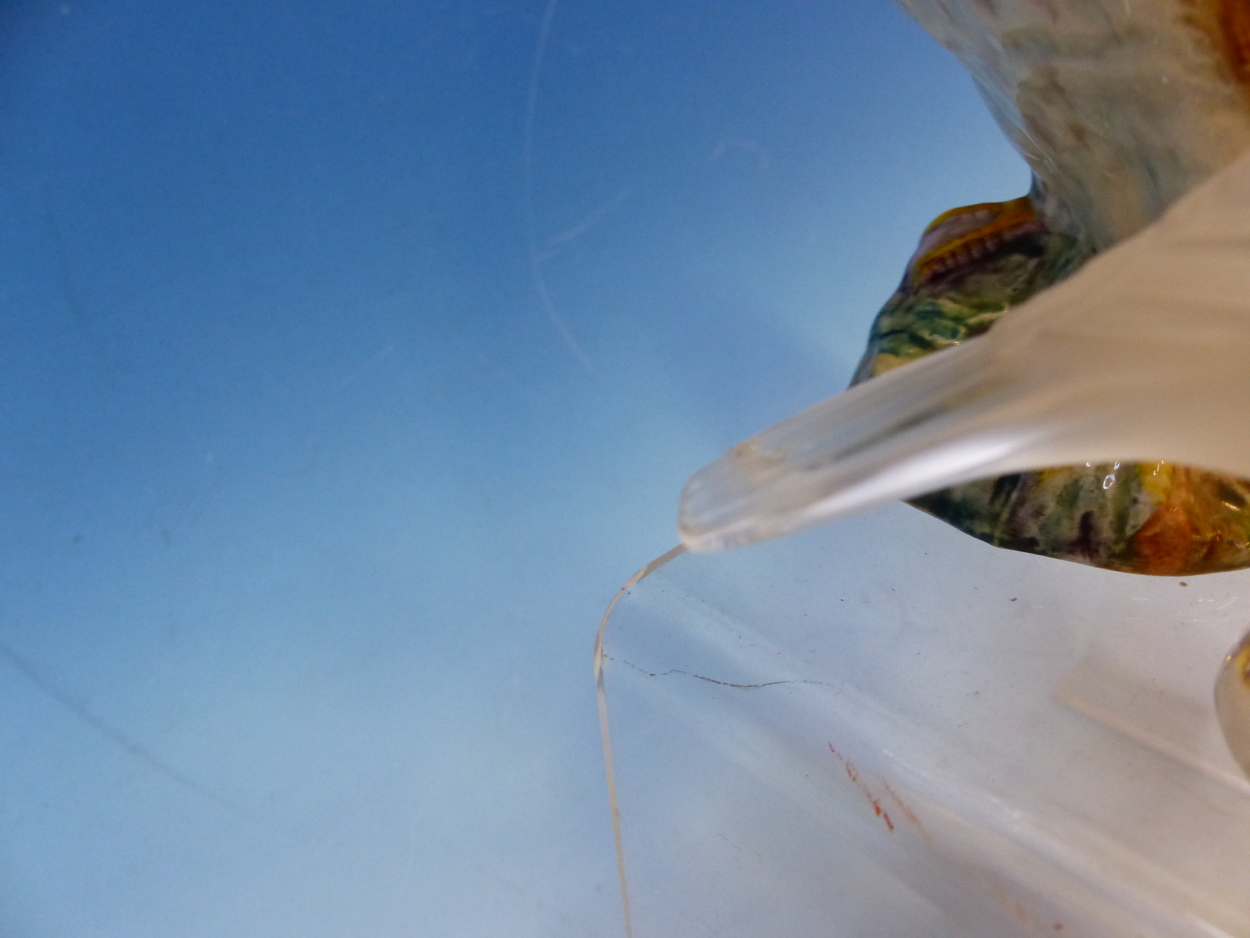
308, 508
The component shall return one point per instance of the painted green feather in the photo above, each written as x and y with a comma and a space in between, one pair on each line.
972, 265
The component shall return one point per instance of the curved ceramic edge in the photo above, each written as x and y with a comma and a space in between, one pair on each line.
1232, 701
603, 722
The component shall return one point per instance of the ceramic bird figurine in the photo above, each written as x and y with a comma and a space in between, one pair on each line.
1062, 416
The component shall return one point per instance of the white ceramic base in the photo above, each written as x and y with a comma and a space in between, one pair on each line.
884, 727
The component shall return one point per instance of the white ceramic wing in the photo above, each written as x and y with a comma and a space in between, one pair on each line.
1142, 355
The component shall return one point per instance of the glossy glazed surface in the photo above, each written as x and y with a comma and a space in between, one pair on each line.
971, 266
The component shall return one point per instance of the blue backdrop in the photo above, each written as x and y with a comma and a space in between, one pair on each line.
351, 355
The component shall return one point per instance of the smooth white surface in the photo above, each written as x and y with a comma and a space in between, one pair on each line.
882, 727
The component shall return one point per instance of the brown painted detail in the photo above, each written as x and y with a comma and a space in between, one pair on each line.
1165, 544
959, 238
1226, 24
1234, 22
1199, 525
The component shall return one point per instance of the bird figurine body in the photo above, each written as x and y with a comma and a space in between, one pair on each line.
1081, 354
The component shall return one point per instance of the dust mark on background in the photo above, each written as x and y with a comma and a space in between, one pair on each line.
65, 282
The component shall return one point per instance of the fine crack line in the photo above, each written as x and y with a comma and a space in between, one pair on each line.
712, 680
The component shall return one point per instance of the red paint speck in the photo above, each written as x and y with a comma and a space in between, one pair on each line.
907, 811
853, 774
